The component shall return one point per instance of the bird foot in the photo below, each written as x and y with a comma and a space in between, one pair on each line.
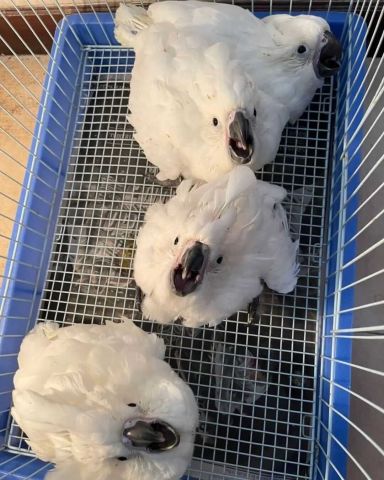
139, 297
150, 176
254, 312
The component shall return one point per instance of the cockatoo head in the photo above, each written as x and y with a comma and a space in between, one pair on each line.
195, 253
240, 120
142, 425
230, 121
157, 431
146, 433
230, 112
309, 41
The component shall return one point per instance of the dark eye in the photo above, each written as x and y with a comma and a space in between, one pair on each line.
219, 259
122, 459
301, 49
215, 121
133, 405
254, 112
176, 241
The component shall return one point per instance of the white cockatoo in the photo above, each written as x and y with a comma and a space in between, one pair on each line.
100, 402
305, 52
196, 112
203, 255
213, 86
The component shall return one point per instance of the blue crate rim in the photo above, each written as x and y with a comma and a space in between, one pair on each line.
66, 25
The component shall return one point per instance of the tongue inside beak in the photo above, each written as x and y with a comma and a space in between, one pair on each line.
330, 56
240, 139
155, 436
189, 274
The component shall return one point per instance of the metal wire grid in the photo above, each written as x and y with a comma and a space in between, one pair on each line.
358, 199
369, 170
261, 375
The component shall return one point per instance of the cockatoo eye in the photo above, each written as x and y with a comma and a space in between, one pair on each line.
122, 459
219, 259
254, 112
132, 405
301, 49
215, 121
176, 241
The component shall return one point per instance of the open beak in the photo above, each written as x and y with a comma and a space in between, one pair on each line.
240, 138
330, 56
189, 273
153, 436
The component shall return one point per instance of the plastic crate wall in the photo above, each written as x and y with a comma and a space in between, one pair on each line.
40, 202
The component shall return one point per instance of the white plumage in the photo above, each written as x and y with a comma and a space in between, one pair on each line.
81, 391
196, 111
305, 52
196, 62
203, 255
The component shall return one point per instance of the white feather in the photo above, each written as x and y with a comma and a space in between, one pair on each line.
129, 21
72, 395
238, 182
184, 76
240, 218
196, 61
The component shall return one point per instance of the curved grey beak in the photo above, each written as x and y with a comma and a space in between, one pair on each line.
240, 138
187, 276
330, 56
155, 436
142, 434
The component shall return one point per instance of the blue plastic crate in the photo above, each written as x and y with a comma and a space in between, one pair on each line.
41, 197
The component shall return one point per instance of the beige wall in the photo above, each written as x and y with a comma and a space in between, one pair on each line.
16, 138
43, 3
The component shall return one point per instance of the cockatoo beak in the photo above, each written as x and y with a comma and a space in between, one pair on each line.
240, 138
330, 56
189, 273
153, 435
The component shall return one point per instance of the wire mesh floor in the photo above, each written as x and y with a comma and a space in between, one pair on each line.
254, 380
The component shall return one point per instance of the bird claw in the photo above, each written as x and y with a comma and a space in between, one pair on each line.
139, 296
253, 312
150, 176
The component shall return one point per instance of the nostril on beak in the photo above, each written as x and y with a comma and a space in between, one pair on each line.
330, 56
